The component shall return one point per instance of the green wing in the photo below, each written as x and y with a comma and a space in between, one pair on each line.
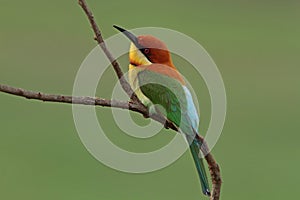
169, 93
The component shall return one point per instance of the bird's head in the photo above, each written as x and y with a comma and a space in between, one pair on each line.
146, 49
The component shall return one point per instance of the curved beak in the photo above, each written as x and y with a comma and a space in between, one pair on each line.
130, 36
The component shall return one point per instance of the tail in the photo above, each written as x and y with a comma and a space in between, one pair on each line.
195, 150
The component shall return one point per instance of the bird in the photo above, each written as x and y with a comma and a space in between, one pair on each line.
157, 81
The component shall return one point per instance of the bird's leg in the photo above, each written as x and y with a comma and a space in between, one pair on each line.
146, 115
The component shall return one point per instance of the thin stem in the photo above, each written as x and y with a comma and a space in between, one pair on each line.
98, 36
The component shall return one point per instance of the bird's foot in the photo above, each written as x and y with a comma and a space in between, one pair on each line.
146, 115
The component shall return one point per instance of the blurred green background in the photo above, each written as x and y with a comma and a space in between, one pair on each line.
256, 46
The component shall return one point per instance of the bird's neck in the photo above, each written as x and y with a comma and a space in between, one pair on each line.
170, 64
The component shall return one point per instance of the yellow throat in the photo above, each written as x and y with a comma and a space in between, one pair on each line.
137, 58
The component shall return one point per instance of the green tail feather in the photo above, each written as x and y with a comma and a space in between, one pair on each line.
195, 150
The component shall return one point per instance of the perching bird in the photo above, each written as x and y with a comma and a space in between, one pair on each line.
157, 81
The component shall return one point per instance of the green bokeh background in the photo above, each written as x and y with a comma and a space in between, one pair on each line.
256, 46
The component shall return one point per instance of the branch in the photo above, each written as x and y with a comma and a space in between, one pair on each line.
69, 99
214, 170
94, 101
98, 36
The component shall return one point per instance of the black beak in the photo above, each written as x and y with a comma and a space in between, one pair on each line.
131, 37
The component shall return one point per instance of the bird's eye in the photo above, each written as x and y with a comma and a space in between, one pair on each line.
146, 50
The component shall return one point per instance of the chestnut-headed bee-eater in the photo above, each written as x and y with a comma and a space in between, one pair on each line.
151, 63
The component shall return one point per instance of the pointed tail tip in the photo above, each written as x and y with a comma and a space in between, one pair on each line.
207, 192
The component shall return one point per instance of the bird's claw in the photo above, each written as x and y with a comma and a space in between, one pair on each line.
146, 115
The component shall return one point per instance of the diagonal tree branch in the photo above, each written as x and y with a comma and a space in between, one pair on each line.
133, 105
98, 36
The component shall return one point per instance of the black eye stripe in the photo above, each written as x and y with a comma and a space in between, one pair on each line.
145, 50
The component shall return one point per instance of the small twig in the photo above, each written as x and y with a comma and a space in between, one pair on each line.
113, 61
95, 101
214, 170
215, 174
